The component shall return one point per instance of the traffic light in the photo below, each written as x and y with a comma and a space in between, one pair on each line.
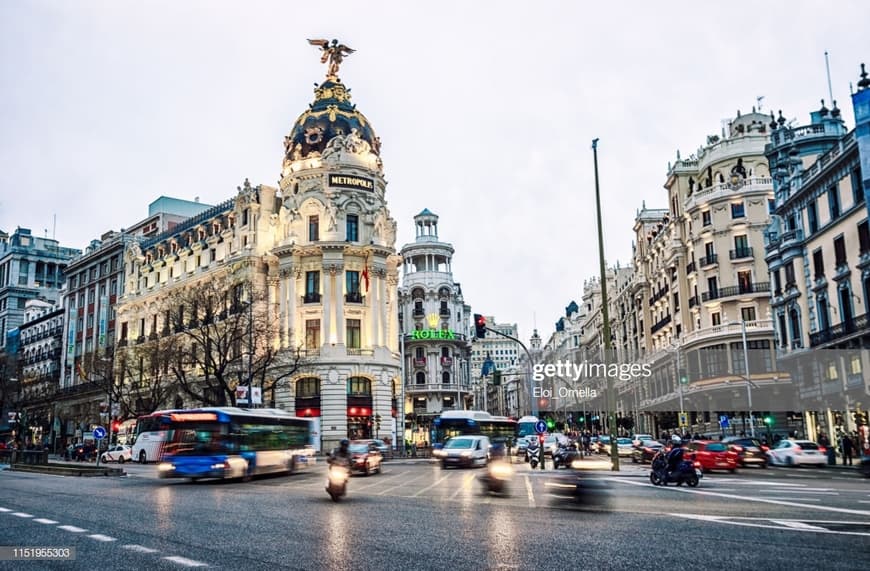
496, 378
116, 425
550, 424
684, 376
479, 326
768, 420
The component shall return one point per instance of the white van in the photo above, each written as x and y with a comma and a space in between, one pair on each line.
467, 451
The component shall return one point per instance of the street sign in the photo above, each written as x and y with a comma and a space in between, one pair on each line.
684, 419
723, 421
540, 427
99, 433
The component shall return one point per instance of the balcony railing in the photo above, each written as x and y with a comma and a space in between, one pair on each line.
354, 297
311, 297
444, 312
690, 267
760, 287
446, 361
741, 253
840, 330
730, 328
360, 352
420, 362
661, 323
708, 260
419, 312
693, 301
436, 387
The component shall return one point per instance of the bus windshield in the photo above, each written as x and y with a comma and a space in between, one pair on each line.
469, 422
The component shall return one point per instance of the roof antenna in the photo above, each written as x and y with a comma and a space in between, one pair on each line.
828, 69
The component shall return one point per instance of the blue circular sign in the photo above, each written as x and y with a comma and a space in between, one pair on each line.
540, 427
99, 433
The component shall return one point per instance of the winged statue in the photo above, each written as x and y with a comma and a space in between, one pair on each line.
333, 53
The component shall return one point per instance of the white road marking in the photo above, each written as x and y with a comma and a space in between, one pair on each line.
529, 491
101, 537
71, 528
744, 498
797, 499
139, 548
464, 486
791, 491
427, 488
185, 561
788, 524
21, 514
380, 480
798, 525
43, 520
4, 510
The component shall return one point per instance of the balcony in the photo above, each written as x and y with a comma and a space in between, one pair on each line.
311, 297
444, 312
435, 387
661, 323
357, 352
690, 267
419, 312
420, 362
741, 253
354, 297
840, 330
760, 287
708, 260
446, 361
731, 328
693, 301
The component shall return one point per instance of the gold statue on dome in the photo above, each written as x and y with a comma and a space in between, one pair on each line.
333, 53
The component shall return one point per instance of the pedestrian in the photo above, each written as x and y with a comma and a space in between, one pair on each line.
847, 446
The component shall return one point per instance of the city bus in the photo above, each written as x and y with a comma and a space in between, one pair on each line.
526, 426
226, 442
461, 422
149, 437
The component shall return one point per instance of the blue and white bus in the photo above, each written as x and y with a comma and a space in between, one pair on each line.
232, 443
526, 426
461, 422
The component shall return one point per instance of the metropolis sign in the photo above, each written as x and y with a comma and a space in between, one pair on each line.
349, 181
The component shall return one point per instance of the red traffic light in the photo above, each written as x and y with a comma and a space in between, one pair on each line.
116, 426
541, 438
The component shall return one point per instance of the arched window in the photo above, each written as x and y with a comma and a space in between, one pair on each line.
794, 318
421, 378
359, 386
309, 387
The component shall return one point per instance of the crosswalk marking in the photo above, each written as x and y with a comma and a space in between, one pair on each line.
529, 491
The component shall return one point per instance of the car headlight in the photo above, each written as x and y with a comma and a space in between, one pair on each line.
466, 454
165, 467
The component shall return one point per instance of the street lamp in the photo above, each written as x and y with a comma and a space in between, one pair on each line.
748, 379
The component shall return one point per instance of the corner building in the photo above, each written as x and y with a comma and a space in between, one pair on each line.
319, 253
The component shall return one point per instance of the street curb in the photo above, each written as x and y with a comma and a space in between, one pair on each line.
67, 471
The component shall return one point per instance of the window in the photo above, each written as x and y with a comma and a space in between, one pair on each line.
351, 279
857, 187
771, 206
812, 217
737, 210
312, 333
359, 386
839, 251
863, 237
744, 281
708, 249
308, 388
313, 228
824, 317
354, 329
421, 378
747, 313
352, 228
445, 378
818, 265
834, 202
312, 287
740, 242
789, 274
707, 218
419, 353
716, 318
712, 287
777, 282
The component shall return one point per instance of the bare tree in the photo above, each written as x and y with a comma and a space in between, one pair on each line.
145, 381
225, 334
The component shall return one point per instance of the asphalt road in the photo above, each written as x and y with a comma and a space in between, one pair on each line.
417, 516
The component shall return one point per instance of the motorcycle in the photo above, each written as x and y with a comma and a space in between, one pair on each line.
533, 455
336, 482
686, 472
565, 455
497, 477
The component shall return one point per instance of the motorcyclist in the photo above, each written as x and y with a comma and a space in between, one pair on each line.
675, 456
341, 455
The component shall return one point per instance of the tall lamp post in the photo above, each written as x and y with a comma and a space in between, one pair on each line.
748, 379
611, 420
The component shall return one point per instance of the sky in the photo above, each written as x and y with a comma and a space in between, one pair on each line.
486, 112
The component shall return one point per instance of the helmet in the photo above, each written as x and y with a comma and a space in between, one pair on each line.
676, 439
344, 443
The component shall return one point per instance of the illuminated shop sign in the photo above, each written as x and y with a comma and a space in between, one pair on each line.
348, 181
433, 334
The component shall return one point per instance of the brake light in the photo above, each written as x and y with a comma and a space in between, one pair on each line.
798, 449
737, 448
822, 449
697, 464
764, 448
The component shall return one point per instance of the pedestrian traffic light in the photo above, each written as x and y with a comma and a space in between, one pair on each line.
550, 424
479, 326
768, 420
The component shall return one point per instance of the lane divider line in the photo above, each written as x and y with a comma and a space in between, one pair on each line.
71, 528
48, 521
101, 537
21, 514
139, 548
184, 561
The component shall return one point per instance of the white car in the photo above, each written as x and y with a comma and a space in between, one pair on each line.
637, 439
797, 453
120, 454
624, 447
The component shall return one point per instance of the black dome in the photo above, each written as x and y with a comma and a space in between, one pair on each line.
330, 115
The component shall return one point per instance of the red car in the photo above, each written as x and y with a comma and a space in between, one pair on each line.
713, 455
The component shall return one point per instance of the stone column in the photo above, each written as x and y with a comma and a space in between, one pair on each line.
374, 311
339, 306
382, 307
326, 300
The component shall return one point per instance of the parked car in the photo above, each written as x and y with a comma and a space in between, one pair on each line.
365, 457
645, 452
465, 451
380, 444
713, 455
797, 453
750, 451
120, 453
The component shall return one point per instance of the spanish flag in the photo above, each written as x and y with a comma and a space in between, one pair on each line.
365, 273
81, 371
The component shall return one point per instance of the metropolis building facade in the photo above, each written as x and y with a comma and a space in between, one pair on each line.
315, 256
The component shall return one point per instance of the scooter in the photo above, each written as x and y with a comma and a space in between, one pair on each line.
336, 482
497, 477
533, 453
686, 472
565, 455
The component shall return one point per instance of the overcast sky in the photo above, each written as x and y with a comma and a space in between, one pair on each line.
486, 111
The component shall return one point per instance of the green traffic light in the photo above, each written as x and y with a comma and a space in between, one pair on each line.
550, 423
768, 420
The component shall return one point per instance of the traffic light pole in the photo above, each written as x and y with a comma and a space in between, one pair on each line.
534, 403
748, 380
